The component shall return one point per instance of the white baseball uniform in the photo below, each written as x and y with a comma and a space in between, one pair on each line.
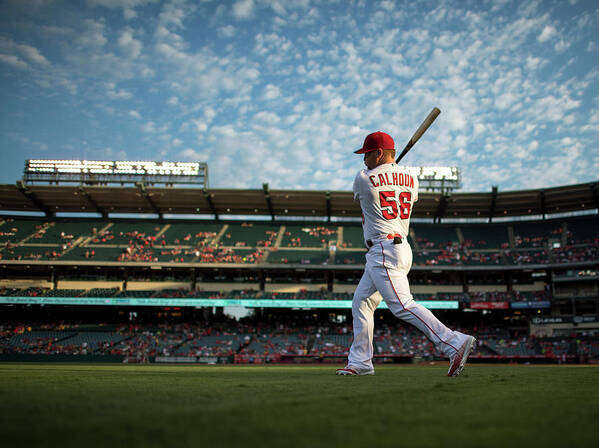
387, 194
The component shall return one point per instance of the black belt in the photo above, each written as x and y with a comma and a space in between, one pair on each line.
395, 237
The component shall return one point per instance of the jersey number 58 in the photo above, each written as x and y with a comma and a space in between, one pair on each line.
389, 206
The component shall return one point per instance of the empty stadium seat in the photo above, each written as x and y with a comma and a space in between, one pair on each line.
435, 236
249, 234
537, 233
298, 256
308, 235
485, 236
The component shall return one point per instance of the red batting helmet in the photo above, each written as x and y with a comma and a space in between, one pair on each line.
376, 140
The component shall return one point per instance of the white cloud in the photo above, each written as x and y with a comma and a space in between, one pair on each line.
18, 55
209, 113
33, 54
149, 127
130, 46
267, 117
128, 6
203, 73
243, 9
13, 61
387, 5
200, 125
193, 155
505, 100
278, 7
554, 108
455, 119
562, 45
548, 33
147, 72
129, 13
120, 4
226, 31
116, 93
173, 14
479, 128
533, 63
134, 114
271, 92
92, 34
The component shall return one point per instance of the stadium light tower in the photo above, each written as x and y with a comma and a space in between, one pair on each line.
103, 172
443, 179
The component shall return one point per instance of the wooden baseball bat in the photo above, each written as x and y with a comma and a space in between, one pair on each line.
421, 130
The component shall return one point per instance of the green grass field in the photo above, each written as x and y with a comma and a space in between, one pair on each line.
298, 406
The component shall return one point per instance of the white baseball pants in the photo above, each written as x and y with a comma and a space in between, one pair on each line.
386, 278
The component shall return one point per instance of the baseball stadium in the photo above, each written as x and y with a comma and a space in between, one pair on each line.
299, 223
256, 285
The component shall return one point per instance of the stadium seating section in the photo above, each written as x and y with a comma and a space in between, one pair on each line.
308, 235
430, 236
536, 234
271, 342
353, 237
485, 236
248, 294
253, 242
298, 256
92, 241
350, 257
583, 231
249, 234
190, 234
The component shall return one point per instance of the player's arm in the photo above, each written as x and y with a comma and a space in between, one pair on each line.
415, 192
356, 187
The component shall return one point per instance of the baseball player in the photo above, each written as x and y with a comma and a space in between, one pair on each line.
387, 193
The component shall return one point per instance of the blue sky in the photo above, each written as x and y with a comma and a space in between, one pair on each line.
282, 91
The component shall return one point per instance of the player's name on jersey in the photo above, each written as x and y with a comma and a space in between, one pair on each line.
397, 179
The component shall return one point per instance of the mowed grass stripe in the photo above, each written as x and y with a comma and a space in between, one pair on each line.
298, 406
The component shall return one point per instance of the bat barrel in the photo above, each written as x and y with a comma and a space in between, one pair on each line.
421, 130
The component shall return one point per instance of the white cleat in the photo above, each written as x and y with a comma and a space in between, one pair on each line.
350, 371
457, 363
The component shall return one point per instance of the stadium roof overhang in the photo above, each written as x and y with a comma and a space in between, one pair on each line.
222, 202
